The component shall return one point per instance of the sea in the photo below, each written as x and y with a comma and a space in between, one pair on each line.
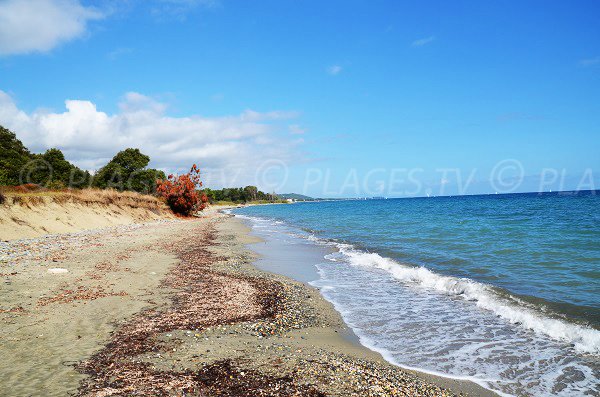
502, 290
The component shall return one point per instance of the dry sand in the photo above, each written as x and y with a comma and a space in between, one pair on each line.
175, 307
22, 221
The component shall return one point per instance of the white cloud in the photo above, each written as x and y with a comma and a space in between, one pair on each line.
251, 115
40, 25
334, 70
423, 41
225, 147
296, 129
590, 61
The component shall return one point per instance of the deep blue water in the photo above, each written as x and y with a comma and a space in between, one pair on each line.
514, 276
539, 246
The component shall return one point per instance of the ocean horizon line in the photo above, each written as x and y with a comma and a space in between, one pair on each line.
551, 192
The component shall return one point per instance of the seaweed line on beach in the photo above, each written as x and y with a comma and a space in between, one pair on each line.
81, 293
210, 324
196, 303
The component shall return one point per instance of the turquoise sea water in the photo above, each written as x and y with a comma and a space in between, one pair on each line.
501, 289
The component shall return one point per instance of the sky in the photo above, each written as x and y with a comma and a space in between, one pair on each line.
324, 98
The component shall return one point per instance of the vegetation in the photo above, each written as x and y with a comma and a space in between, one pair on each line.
50, 169
296, 196
240, 195
53, 171
18, 165
27, 176
13, 157
30, 179
31, 197
127, 171
181, 194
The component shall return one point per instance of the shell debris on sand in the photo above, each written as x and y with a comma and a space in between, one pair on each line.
57, 270
221, 327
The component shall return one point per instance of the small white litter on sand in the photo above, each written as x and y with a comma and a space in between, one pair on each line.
57, 270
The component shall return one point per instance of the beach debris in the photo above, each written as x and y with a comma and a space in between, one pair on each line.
197, 303
81, 293
57, 270
227, 296
17, 309
56, 246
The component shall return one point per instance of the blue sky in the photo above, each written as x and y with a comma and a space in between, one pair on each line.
327, 98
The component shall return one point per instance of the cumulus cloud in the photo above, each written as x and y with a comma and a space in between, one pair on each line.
40, 25
229, 149
334, 70
422, 42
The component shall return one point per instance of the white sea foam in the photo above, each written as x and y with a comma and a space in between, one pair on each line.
450, 326
481, 381
584, 339
414, 329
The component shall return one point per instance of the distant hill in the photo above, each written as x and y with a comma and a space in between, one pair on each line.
294, 196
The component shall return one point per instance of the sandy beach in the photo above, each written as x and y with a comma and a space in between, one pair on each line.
175, 307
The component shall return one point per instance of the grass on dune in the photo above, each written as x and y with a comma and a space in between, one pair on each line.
29, 198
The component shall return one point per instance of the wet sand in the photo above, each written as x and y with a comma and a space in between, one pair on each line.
177, 308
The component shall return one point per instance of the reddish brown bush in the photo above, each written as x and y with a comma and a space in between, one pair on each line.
180, 192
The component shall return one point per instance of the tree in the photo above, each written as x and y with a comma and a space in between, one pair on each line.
211, 194
250, 193
238, 195
180, 192
144, 181
127, 171
14, 156
52, 170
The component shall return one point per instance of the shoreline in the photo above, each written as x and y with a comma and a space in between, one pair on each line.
346, 335
178, 306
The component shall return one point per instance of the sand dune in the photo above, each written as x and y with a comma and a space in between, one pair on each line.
29, 216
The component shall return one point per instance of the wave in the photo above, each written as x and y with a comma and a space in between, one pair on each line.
584, 339
389, 357
487, 336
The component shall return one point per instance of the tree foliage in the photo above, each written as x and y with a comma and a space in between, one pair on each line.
13, 157
239, 195
181, 194
50, 169
127, 171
